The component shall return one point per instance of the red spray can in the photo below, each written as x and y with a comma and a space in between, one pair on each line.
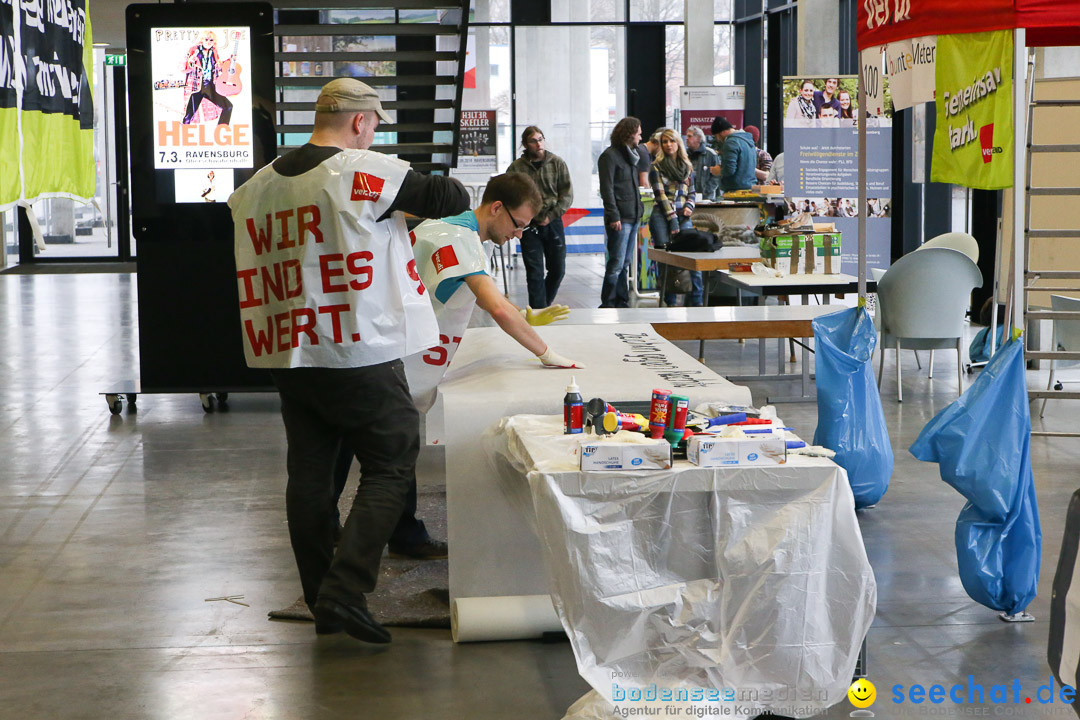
658, 413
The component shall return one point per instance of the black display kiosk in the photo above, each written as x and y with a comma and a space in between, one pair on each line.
201, 101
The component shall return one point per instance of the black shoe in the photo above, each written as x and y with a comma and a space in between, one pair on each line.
328, 627
353, 619
427, 550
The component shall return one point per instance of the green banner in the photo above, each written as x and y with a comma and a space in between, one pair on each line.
46, 57
973, 142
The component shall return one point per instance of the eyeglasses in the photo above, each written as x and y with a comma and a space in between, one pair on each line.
534, 141
517, 225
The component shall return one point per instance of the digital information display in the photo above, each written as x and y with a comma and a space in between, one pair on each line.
201, 99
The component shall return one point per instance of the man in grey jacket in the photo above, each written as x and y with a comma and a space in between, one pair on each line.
619, 182
543, 242
703, 157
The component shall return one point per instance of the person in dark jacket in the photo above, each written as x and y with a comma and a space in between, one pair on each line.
738, 156
704, 158
543, 243
619, 181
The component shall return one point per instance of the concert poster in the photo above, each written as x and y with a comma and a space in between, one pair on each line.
201, 97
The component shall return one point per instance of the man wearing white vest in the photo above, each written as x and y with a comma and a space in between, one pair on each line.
453, 266
330, 301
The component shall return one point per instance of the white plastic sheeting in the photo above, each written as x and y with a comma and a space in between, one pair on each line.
750, 584
491, 553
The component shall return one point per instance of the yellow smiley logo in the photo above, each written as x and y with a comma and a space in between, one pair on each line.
862, 693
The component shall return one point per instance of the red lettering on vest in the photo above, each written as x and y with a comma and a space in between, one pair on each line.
260, 239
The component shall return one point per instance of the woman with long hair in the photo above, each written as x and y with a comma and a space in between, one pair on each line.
801, 106
618, 171
846, 111
672, 179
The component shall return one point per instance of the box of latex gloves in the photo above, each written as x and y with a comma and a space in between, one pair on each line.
647, 455
716, 451
802, 253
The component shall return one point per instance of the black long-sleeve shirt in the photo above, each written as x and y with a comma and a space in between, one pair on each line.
428, 196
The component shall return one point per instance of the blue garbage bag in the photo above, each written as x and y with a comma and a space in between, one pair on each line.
850, 420
979, 349
981, 443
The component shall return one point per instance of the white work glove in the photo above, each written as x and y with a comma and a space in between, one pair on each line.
553, 359
546, 315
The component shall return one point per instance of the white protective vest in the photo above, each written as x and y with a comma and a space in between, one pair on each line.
321, 282
445, 254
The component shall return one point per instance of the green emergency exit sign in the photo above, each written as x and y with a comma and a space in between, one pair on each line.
116, 59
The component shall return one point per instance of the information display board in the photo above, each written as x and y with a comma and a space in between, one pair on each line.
821, 164
201, 97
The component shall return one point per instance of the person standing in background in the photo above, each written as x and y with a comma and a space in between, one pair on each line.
672, 179
619, 182
543, 243
738, 156
764, 159
703, 158
647, 151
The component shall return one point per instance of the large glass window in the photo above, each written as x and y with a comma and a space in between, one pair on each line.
588, 45
656, 10
588, 10
489, 11
576, 117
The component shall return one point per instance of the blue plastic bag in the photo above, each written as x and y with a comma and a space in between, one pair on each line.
981, 443
979, 349
850, 420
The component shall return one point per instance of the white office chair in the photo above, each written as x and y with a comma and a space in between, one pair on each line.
922, 300
1066, 337
955, 241
963, 242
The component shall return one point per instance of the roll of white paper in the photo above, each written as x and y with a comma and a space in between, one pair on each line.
511, 617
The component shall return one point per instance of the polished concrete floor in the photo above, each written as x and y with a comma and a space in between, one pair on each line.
114, 531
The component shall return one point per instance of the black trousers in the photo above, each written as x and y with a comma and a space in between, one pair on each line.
370, 409
410, 530
209, 92
544, 245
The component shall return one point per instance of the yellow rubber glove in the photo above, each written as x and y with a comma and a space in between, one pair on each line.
547, 315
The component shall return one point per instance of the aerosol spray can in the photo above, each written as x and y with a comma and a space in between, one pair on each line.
658, 413
573, 409
676, 424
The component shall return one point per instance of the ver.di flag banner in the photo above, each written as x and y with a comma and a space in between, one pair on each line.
46, 108
973, 142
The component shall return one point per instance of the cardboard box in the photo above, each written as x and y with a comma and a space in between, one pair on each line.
714, 451
767, 189
653, 455
802, 253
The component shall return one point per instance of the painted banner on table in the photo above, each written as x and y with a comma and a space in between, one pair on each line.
973, 141
701, 105
821, 164
45, 66
201, 97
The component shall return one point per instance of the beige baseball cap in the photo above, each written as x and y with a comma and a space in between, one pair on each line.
350, 95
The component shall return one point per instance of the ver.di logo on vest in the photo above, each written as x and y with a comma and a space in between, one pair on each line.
366, 187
